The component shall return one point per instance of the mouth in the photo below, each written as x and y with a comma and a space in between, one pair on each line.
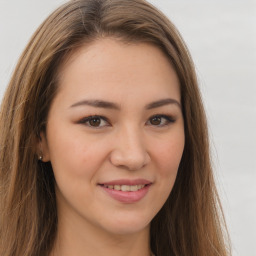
127, 191
125, 188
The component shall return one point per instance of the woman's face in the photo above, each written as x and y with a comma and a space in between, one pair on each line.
114, 136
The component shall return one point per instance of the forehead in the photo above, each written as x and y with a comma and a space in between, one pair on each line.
109, 68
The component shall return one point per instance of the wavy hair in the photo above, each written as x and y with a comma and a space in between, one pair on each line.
190, 223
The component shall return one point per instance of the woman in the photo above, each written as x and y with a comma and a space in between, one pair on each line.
104, 146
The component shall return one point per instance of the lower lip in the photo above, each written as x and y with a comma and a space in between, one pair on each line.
127, 196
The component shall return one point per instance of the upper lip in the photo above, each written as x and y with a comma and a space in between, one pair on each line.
127, 182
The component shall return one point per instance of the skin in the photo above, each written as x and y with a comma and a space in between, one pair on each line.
131, 144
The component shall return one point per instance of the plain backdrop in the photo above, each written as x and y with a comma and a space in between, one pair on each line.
221, 36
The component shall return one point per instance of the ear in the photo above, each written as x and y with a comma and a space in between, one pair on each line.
42, 148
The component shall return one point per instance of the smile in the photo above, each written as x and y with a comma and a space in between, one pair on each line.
128, 188
126, 191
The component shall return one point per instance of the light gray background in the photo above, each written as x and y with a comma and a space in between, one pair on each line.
221, 36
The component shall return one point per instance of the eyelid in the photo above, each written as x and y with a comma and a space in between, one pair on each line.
170, 119
85, 120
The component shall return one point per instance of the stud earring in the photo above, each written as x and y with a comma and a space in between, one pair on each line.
40, 158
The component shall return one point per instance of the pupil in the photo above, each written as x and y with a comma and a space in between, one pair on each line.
94, 122
156, 121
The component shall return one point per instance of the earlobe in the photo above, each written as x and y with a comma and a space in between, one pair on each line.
42, 148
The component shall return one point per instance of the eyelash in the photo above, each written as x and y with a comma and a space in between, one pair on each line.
86, 120
168, 119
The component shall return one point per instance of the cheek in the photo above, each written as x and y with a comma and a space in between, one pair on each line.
74, 153
75, 161
168, 156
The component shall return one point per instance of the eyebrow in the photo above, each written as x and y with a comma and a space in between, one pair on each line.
97, 104
111, 105
163, 102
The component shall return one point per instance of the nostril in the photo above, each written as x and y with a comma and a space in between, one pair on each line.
131, 160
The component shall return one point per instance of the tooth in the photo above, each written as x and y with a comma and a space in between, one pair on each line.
134, 188
117, 187
125, 188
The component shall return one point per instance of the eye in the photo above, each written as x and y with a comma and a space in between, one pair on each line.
160, 120
94, 121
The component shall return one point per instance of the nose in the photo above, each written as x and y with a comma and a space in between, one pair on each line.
129, 150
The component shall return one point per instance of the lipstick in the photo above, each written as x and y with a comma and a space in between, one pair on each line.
127, 191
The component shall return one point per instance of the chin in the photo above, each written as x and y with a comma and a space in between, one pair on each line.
128, 226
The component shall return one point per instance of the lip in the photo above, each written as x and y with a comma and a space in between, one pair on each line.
127, 197
127, 182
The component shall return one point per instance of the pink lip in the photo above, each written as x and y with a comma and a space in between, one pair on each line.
127, 182
127, 196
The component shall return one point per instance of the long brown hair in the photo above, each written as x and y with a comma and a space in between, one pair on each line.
190, 223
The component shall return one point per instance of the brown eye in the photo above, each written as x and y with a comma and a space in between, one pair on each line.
95, 121
160, 120
155, 120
